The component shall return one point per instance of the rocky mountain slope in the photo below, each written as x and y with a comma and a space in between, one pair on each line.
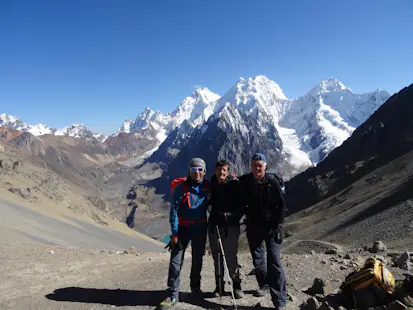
361, 191
73, 173
378, 144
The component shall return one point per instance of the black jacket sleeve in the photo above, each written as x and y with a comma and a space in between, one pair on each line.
280, 206
244, 192
238, 203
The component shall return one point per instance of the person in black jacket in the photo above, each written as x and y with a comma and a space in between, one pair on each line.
225, 214
265, 212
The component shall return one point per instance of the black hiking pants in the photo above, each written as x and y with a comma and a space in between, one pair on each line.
229, 237
198, 239
272, 271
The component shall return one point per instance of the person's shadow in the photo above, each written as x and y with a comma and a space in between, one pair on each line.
122, 297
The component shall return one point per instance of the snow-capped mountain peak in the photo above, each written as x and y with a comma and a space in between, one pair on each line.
40, 130
247, 93
76, 130
329, 85
205, 94
79, 131
142, 120
13, 122
126, 127
196, 109
266, 83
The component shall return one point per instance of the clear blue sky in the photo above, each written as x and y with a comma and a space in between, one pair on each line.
99, 62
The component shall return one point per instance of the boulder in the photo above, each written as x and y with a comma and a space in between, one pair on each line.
403, 262
378, 246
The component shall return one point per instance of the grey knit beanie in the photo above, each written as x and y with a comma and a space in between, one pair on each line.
197, 162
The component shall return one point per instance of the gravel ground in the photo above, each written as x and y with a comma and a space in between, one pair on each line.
36, 276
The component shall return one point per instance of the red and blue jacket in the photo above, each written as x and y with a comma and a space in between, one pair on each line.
189, 205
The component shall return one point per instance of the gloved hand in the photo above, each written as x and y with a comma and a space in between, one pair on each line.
172, 243
278, 234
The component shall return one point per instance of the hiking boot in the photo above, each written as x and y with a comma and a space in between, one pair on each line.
262, 291
196, 293
168, 303
215, 293
238, 293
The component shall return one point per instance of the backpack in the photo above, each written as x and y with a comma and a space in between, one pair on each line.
280, 180
370, 285
185, 191
271, 178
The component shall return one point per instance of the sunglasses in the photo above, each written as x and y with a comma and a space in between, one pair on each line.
196, 169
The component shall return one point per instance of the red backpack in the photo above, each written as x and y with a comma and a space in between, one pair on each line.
185, 190
174, 183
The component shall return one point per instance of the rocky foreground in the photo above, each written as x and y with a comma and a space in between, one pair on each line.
50, 277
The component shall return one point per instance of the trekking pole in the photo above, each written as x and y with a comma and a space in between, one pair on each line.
226, 267
220, 276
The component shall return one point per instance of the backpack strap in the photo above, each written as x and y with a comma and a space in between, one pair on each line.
185, 194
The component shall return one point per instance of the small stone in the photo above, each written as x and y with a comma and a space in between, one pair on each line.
324, 262
51, 252
320, 287
403, 262
331, 252
291, 297
313, 252
347, 256
341, 308
131, 251
343, 267
118, 252
312, 304
378, 246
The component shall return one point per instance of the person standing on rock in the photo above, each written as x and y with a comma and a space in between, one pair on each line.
188, 219
265, 212
225, 214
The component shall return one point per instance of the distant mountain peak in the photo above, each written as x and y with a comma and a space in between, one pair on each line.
329, 85
75, 130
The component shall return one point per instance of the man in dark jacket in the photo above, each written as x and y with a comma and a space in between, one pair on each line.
225, 214
265, 212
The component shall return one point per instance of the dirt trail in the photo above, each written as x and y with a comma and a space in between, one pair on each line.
36, 276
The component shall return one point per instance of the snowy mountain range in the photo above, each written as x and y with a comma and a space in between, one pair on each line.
300, 131
195, 109
253, 115
76, 130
